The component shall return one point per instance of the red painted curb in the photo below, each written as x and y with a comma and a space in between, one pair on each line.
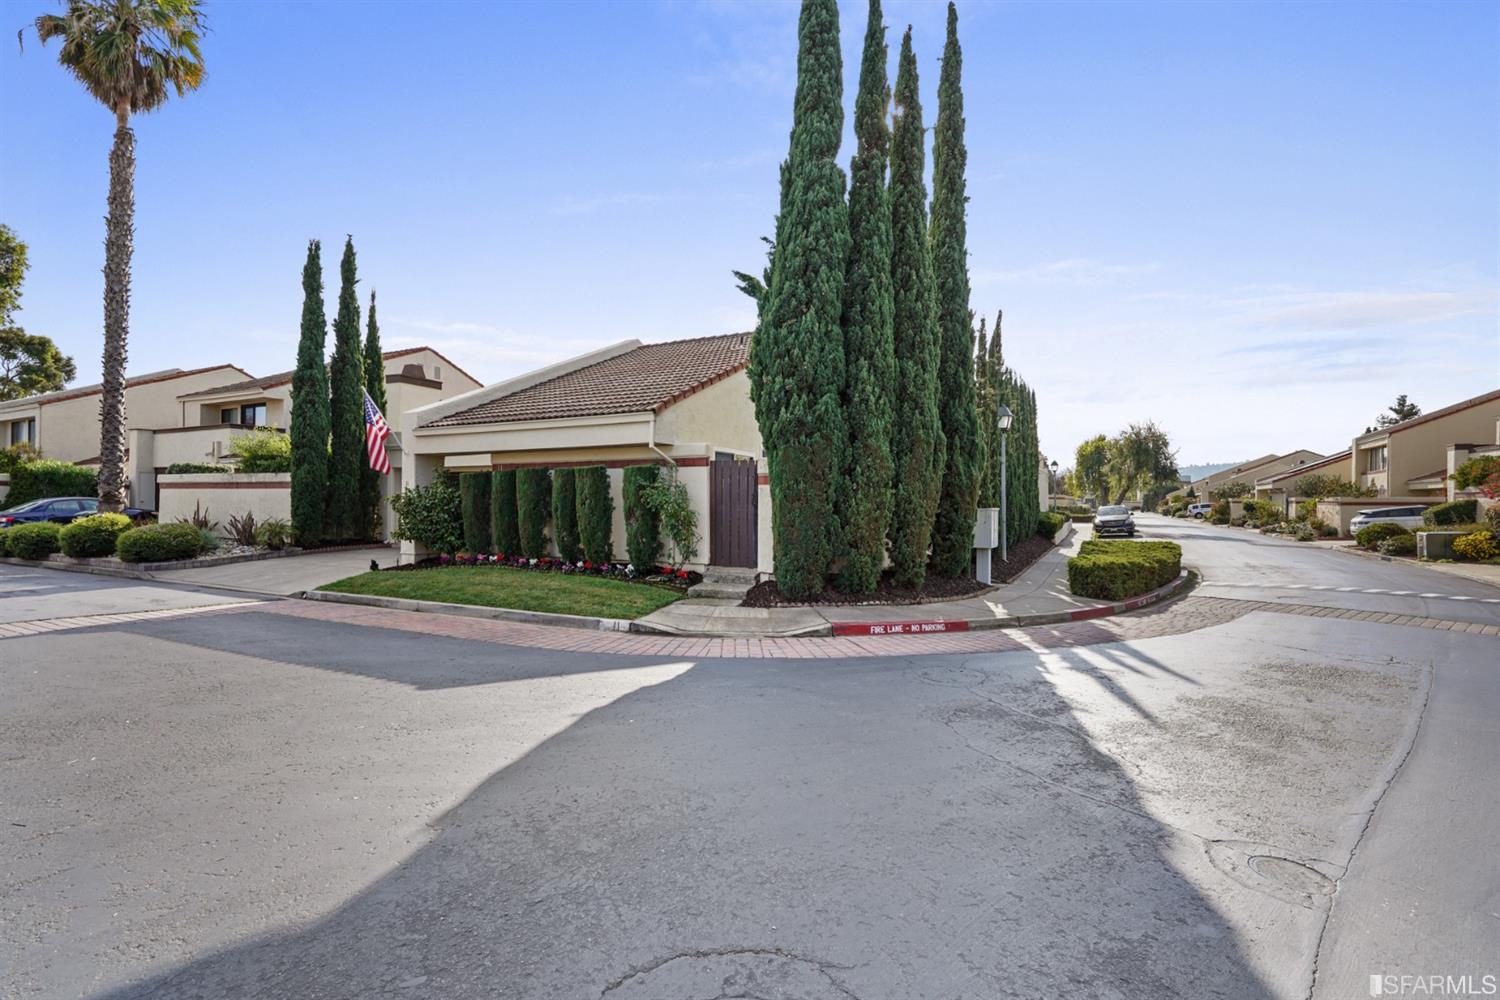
898, 628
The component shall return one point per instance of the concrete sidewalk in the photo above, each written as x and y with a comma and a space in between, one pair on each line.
1039, 595
282, 577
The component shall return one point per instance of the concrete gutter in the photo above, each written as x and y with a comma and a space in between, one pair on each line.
470, 611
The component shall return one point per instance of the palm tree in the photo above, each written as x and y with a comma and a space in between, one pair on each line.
128, 54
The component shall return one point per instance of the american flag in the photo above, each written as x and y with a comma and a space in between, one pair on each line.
376, 432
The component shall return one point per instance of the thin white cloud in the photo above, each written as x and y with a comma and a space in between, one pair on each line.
1069, 271
1364, 310
573, 205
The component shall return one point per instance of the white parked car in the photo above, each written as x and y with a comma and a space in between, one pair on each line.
1409, 518
1199, 510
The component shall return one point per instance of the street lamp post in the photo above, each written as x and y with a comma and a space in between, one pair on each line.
1052, 485
1003, 418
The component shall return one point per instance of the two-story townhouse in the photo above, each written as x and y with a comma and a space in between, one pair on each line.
1411, 459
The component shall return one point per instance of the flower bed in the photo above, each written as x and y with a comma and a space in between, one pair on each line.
679, 579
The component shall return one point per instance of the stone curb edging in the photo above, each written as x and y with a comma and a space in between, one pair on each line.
1013, 621
470, 611
143, 571
641, 627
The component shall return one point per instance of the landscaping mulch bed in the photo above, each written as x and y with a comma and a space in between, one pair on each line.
1022, 555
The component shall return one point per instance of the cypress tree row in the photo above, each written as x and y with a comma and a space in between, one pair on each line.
565, 514
953, 528
797, 354
642, 523
984, 403
346, 378
869, 364
533, 502
474, 505
917, 440
1022, 444
309, 430
370, 514
505, 531
596, 512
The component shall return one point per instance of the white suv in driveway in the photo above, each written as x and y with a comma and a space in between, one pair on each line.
1199, 510
1409, 518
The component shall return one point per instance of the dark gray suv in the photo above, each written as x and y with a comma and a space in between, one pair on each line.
1114, 521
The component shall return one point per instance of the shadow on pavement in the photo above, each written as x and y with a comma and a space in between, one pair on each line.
824, 831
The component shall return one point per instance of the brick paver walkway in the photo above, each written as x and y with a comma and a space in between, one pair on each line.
1185, 615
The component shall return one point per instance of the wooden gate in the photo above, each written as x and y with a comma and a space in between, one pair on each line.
732, 512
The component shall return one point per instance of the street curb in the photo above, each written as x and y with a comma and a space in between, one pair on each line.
117, 571
920, 627
469, 611
823, 631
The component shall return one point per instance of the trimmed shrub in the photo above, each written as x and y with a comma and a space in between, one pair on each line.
1263, 512
474, 504
1372, 534
1219, 512
430, 516
1477, 472
1047, 522
4, 543
565, 514
1452, 512
196, 468
642, 523
505, 531
533, 503
596, 513
1398, 545
1476, 546
34, 541
17, 455
93, 536
261, 450
159, 543
1305, 532
275, 533
47, 478
1114, 570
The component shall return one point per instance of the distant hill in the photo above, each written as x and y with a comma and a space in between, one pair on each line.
1193, 473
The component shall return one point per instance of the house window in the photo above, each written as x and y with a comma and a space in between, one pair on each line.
1375, 459
229, 415
250, 415
23, 431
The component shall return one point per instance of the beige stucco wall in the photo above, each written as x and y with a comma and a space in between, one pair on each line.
202, 411
1423, 448
720, 416
222, 495
1288, 486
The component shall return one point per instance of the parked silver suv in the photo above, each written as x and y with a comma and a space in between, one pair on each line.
1409, 518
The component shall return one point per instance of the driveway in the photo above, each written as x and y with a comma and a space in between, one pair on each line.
247, 803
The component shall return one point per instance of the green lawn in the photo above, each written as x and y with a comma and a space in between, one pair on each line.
523, 590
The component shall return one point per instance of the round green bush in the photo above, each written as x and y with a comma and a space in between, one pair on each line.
1398, 545
159, 543
1372, 534
33, 541
93, 536
1115, 570
1476, 546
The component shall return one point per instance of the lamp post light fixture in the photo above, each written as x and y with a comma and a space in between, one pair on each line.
1003, 417
1052, 485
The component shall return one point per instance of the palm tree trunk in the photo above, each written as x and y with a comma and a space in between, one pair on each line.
118, 245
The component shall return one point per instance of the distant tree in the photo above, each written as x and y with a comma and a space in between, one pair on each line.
1233, 490
1091, 469
374, 371
14, 264
565, 514
1401, 410
1319, 486
30, 364
1142, 462
869, 362
642, 522
129, 55
533, 504
505, 530
797, 354
917, 445
953, 526
596, 513
310, 407
346, 380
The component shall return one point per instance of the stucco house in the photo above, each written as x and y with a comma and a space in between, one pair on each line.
1283, 484
1249, 472
684, 405
1411, 459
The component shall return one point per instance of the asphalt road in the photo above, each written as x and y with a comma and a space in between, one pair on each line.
253, 805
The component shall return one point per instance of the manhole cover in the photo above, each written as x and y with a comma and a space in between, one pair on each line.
1292, 874
1263, 868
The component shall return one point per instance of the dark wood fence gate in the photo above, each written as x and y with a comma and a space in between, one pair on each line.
732, 512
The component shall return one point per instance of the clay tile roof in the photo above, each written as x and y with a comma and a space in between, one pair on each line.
131, 382
647, 379
247, 385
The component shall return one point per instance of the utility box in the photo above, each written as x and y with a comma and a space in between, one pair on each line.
986, 537
1436, 544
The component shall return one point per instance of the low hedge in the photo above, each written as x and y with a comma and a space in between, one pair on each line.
1048, 522
159, 543
93, 536
1114, 570
1452, 512
33, 541
4, 543
1398, 545
196, 468
1373, 534
47, 478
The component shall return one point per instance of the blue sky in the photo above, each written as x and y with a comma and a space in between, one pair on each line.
1252, 223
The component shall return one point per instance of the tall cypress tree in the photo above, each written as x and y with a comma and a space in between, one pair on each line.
346, 379
474, 508
310, 407
953, 528
505, 528
565, 514
596, 513
869, 364
533, 504
917, 440
984, 407
797, 355
374, 370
